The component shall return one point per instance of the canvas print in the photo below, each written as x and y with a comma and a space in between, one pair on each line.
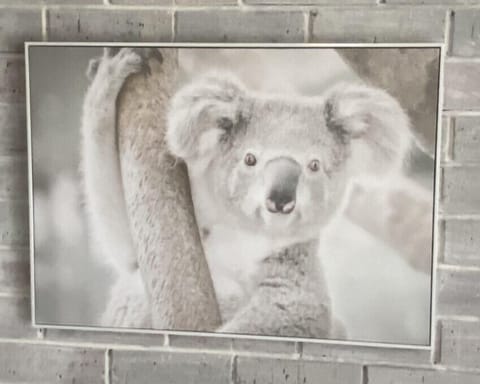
258, 191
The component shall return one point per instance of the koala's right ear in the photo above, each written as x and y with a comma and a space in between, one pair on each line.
202, 113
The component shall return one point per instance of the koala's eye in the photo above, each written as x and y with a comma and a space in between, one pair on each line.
250, 160
314, 165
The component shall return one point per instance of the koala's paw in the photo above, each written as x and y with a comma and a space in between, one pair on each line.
109, 72
122, 62
125, 63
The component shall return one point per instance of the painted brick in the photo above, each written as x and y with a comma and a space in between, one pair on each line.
431, 2
330, 373
378, 25
14, 223
458, 292
13, 128
390, 375
13, 177
264, 346
30, 363
466, 139
466, 32
460, 190
101, 338
143, 2
364, 354
142, 367
239, 26
461, 242
109, 25
462, 85
18, 25
14, 270
310, 2
51, 2
460, 344
200, 342
205, 2
15, 319
12, 79
266, 370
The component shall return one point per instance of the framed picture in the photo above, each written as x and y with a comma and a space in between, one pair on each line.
235, 190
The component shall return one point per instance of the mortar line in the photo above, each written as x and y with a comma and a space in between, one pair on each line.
233, 369
449, 30
459, 318
174, 24
450, 138
364, 374
108, 366
44, 15
451, 216
306, 26
457, 164
461, 112
459, 268
437, 343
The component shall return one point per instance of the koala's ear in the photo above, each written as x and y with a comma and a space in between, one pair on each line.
203, 113
372, 122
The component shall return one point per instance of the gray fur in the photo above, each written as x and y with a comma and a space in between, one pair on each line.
352, 130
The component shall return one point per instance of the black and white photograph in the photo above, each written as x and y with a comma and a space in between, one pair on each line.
280, 191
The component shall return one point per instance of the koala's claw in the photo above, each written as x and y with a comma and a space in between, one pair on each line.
123, 62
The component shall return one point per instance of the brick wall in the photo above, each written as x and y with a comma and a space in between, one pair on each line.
31, 356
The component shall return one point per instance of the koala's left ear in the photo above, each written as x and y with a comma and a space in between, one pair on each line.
372, 122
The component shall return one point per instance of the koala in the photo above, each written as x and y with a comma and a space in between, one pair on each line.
268, 173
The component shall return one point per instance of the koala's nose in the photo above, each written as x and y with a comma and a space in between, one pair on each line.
281, 175
280, 203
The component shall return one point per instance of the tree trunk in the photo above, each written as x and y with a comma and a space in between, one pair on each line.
410, 75
159, 204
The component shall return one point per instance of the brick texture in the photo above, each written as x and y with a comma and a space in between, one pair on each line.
205, 2
462, 84
29, 363
12, 79
262, 370
239, 26
118, 25
13, 177
17, 26
461, 242
460, 344
310, 2
458, 185
104, 338
382, 375
15, 319
32, 356
142, 367
13, 128
364, 354
466, 33
14, 222
466, 139
378, 25
14, 271
458, 292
